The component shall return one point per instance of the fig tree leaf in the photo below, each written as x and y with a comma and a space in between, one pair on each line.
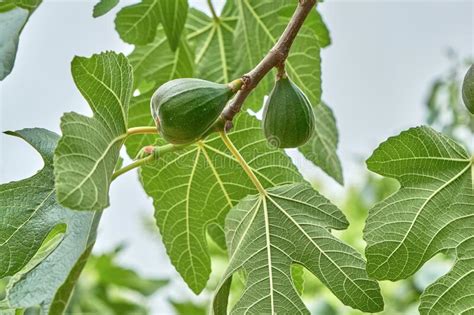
287, 225
320, 30
452, 293
89, 148
137, 23
321, 149
156, 63
173, 17
140, 115
433, 211
202, 183
42, 244
13, 17
260, 24
103, 7
214, 43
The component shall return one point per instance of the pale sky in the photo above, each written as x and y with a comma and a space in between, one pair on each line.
375, 77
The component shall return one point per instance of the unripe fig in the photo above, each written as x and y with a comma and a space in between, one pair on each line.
288, 117
185, 109
468, 89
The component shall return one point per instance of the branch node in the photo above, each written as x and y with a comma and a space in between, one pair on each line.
228, 125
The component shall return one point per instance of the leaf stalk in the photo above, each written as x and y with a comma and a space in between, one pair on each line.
142, 130
235, 152
213, 11
158, 151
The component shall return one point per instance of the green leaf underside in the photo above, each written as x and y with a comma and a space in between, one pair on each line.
214, 43
259, 25
29, 212
173, 17
89, 148
454, 292
13, 16
140, 115
266, 234
432, 211
194, 189
321, 149
137, 23
103, 7
156, 63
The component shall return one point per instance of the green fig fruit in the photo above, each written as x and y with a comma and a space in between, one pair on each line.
185, 109
468, 89
288, 117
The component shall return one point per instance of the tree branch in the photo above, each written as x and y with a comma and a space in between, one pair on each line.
275, 58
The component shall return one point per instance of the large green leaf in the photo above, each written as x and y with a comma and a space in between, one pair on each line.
321, 149
89, 148
173, 17
137, 23
453, 293
13, 16
260, 23
155, 63
140, 115
194, 189
214, 43
267, 233
433, 211
42, 244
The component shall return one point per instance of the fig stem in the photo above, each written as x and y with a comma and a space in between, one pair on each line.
142, 130
275, 57
157, 152
132, 166
248, 170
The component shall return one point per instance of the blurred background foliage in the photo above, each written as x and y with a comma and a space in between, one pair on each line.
107, 288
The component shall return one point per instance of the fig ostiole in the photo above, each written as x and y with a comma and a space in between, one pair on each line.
288, 117
468, 89
185, 110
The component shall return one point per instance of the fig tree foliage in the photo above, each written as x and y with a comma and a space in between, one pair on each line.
215, 178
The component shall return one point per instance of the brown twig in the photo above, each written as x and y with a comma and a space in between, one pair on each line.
275, 58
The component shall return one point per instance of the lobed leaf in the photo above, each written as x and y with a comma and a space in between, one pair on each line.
260, 23
214, 43
42, 244
321, 149
13, 17
453, 293
155, 63
89, 148
173, 17
194, 189
287, 225
137, 23
432, 212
